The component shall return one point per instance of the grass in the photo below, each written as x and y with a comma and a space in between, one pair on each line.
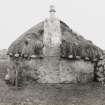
50, 94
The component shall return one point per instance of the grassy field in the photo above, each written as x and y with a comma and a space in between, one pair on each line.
50, 94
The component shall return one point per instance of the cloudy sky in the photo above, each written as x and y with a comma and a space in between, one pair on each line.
86, 17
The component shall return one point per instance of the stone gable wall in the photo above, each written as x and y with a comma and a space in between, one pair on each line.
56, 70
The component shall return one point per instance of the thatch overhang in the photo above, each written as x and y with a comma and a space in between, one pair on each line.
73, 46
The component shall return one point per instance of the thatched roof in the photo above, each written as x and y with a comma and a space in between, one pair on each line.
73, 45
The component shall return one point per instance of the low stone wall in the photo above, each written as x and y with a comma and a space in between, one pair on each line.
57, 70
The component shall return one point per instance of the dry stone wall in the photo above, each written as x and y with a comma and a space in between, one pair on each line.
100, 70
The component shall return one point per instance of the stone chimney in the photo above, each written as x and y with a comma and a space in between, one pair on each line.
52, 34
52, 11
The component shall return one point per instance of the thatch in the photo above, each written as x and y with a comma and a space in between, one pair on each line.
32, 46
73, 45
27, 43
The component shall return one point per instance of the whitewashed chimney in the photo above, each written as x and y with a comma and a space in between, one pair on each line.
52, 11
52, 34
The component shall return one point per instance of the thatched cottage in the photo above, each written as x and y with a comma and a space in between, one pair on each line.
55, 53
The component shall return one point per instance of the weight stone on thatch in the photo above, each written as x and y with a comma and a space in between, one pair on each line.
16, 55
70, 56
95, 60
78, 57
86, 58
11, 54
33, 56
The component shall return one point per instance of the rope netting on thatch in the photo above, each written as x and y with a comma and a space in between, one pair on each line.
34, 32
73, 45
79, 50
32, 46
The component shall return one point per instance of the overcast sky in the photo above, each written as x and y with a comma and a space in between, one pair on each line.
86, 17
